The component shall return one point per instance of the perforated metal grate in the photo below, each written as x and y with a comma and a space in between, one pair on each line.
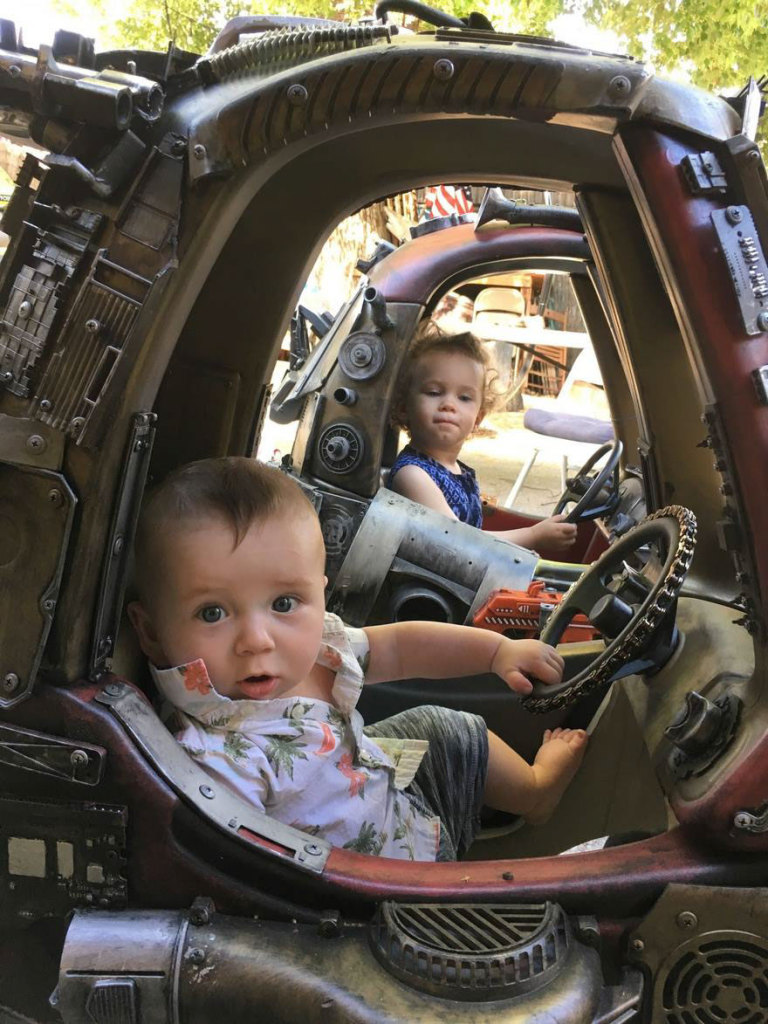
472, 951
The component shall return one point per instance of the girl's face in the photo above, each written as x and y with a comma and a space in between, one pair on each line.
444, 401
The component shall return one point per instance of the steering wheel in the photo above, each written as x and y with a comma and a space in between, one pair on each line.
629, 593
584, 489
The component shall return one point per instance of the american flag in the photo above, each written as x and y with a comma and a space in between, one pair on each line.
443, 200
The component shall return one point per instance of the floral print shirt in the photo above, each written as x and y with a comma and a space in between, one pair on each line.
307, 762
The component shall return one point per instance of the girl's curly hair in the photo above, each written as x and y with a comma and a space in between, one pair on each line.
430, 337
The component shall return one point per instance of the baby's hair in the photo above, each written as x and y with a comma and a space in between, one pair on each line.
233, 489
429, 338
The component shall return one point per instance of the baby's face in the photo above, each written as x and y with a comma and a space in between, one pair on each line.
444, 400
253, 613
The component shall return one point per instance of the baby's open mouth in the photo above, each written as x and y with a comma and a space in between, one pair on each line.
257, 687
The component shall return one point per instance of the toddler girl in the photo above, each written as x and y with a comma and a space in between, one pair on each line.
443, 393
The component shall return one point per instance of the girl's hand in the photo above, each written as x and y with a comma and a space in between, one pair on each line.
515, 660
555, 533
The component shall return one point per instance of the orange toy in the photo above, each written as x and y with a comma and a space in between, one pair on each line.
522, 614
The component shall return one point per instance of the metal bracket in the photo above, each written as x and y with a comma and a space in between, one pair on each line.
122, 529
746, 264
704, 174
217, 804
50, 755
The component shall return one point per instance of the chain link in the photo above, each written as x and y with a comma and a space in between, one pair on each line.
642, 628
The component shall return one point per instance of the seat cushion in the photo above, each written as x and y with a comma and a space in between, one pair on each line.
568, 426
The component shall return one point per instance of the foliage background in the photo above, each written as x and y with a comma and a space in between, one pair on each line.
716, 44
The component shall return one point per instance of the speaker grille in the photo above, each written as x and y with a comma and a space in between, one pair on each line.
720, 978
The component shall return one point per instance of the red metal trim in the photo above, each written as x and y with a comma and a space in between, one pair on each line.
416, 269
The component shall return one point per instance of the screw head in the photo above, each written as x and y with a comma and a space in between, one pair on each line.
207, 792
198, 152
443, 69
11, 682
686, 919
179, 146
619, 86
55, 497
6, 376
312, 849
25, 308
14, 70
76, 424
113, 689
78, 759
297, 95
92, 326
762, 321
49, 604
117, 547
733, 215
36, 443
45, 404
742, 820
196, 955
637, 945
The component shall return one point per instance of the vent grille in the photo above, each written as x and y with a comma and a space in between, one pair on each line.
471, 951
721, 980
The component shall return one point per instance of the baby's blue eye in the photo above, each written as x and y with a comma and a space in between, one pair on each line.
211, 613
284, 604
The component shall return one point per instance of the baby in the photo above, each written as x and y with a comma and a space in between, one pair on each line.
231, 613
443, 394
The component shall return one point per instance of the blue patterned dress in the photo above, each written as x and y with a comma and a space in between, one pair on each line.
460, 490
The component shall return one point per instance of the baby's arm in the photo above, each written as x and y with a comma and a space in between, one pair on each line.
436, 650
412, 482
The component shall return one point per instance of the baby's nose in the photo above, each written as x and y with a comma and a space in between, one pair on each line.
254, 635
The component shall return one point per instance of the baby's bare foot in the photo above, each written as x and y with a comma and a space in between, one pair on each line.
557, 761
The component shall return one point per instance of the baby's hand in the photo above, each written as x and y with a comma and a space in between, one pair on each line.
515, 660
555, 533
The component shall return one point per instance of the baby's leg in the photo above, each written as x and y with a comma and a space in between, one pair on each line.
534, 790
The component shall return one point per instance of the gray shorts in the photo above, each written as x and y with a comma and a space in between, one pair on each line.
451, 779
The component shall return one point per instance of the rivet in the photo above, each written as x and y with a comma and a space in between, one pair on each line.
207, 792
686, 919
297, 95
11, 682
198, 152
443, 69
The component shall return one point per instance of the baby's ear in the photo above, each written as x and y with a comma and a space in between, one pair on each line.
145, 630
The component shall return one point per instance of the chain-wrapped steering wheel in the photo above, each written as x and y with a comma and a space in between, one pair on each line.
627, 602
